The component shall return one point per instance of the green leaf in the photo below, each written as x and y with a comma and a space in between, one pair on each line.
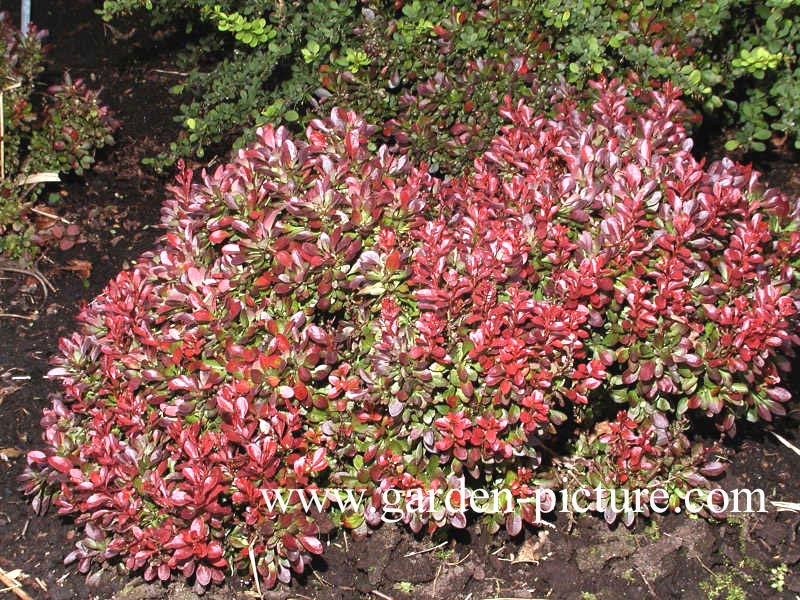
762, 134
731, 145
352, 521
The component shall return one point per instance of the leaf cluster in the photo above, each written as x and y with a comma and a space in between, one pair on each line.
432, 72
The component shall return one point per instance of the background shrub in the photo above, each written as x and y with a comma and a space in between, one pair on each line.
321, 315
249, 62
57, 131
433, 73
440, 68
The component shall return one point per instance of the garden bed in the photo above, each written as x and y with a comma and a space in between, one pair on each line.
117, 205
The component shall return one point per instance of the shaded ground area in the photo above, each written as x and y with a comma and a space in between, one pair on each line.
755, 556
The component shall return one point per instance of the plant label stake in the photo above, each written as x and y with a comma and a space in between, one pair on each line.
25, 17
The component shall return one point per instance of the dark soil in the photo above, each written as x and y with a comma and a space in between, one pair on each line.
118, 207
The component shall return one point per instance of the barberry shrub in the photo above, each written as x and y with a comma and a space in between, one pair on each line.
56, 131
321, 316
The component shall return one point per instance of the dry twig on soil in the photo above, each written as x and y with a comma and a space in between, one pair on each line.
31, 272
12, 585
787, 443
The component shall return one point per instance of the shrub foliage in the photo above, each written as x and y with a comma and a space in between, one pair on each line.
265, 59
433, 73
319, 315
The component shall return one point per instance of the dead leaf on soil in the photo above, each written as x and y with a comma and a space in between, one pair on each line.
82, 268
601, 428
45, 177
8, 454
532, 548
6, 391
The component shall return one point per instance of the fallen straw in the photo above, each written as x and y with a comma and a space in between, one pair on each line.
786, 506
787, 443
12, 585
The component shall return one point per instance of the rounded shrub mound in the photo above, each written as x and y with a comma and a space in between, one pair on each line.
321, 317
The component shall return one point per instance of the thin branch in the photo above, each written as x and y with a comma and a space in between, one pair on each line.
2, 138
787, 443
255, 570
15, 316
166, 72
646, 582
426, 550
32, 272
455, 564
14, 586
436, 579
321, 579
49, 215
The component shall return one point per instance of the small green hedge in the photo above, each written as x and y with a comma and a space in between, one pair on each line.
433, 73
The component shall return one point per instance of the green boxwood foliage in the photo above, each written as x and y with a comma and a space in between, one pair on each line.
267, 68
436, 70
432, 72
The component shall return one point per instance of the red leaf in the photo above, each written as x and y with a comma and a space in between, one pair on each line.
300, 391
514, 524
182, 382
220, 235
196, 276
203, 575
778, 393
311, 544
713, 469
393, 260
60, 463
36, 456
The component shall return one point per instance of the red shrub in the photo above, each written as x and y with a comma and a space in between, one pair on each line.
320, 316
